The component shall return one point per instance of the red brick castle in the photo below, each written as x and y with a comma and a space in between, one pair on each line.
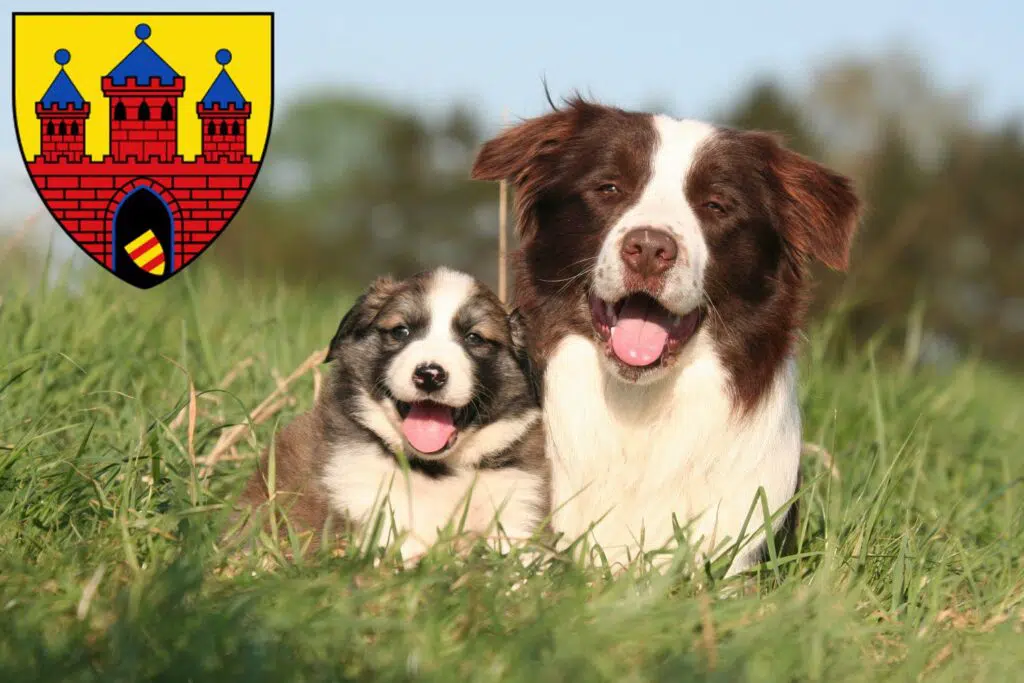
143, 190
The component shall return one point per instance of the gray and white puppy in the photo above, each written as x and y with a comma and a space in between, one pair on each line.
431, 367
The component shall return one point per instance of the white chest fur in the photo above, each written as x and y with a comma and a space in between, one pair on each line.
363, 483
626, 457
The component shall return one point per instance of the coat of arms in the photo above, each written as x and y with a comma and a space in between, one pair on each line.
143, 134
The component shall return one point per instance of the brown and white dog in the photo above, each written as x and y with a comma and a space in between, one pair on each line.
662, 273
431, 367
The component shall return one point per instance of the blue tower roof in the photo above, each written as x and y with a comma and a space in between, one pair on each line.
63, 93
143, 63
223, 92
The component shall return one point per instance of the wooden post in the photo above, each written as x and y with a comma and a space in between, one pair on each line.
502, 242
503, 236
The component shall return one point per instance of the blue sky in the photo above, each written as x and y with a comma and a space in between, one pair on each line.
691, 56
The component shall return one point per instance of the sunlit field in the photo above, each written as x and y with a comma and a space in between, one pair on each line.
112, 401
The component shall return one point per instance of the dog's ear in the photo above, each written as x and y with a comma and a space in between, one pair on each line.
520, 349
517, 330
362, 314
818, 207
515, 151
524, 155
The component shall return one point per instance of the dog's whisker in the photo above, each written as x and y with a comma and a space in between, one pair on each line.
591, 259
712, 308
569, 282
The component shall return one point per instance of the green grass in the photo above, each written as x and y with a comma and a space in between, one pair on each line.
910, 566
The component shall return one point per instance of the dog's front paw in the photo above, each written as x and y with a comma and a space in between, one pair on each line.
413, 550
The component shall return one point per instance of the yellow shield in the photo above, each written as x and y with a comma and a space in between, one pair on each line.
147, 253
143, 131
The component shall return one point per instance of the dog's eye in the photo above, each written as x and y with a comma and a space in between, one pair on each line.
474, 339
608, 188
399, 333
715, 206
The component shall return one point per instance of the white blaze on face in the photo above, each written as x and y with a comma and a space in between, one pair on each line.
662, 205
446, 293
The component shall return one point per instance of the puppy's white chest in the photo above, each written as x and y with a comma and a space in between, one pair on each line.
625, 458
362, 483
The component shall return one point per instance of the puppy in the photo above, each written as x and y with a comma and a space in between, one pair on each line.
428, 417
663, 276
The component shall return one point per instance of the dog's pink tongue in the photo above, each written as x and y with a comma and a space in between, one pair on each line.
428, 426
641, 333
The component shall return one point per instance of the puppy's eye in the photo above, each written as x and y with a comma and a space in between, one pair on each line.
715, 206
474, 339
608, 188
399, 333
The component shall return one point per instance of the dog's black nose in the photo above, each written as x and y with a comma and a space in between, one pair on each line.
429, 377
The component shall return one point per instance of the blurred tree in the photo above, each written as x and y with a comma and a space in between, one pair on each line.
851, 102
882, 284
974, 237
944, 210
354, 187
766, 106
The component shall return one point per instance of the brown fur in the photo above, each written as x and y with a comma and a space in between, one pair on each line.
782, 211
554, 163
298, 464
765, 213
359, 354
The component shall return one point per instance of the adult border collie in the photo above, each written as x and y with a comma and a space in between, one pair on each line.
663, 276
431, 368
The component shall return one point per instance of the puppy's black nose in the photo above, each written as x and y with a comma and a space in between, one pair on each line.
429, 377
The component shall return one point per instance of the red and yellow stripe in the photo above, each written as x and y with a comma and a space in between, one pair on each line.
147, 253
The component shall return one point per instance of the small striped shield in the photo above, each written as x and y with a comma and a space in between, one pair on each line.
147, 253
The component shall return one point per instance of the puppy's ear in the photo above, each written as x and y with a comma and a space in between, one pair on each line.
520, 349
818, 207
362, 314
517, 328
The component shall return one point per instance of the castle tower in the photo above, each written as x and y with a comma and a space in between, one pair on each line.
62, 114
224, 115
143, 91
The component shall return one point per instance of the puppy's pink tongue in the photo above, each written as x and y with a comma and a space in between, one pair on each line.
428, 426
640, 336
